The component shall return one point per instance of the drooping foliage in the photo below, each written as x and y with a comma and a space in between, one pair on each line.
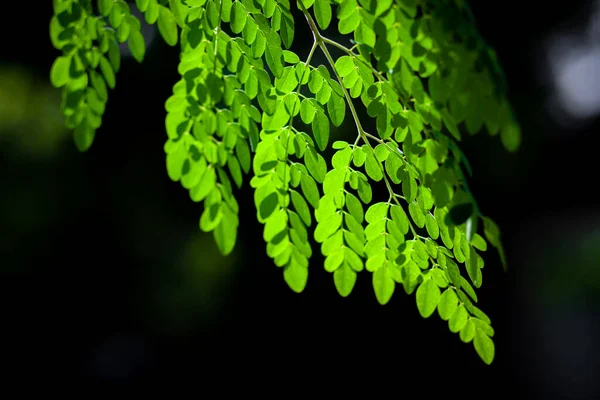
249, 109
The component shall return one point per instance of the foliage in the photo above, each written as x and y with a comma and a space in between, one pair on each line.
247, 104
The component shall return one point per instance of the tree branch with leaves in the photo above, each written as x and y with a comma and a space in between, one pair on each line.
246, 104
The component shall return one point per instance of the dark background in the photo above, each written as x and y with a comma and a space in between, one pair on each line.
106, 277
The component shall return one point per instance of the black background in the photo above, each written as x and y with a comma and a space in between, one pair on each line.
107, 278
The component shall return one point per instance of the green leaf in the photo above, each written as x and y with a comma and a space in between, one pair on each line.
167, 26
328, 227
105, 7
295, 274
383, 285
372, 165
275, 224
334, 182
137, 46
239, 15
84, 136
123, 31
400, 218
447, 304
416, 214
226, 6
225, 233
320, 128
432, 227
301, 207
344, 279
377, 212
315, 164
468, 331
59, 72
108, 72
99, 85
152, 12
287, 82
341, 158
350, 23
243, 154
287, 31
478, 242
365, 35
409, 188
116, 16
339, 144
484, 346
235, 170
354, 207
458, 319
205, 185
212, 14
290, 57
307, 111
211, 217
336, 107
344, 66
310, 190
482, 325
175, 161
428, 297
274, 54
511, 136
322, 10
142, 5
114, 55
180, 12
364, 191
334, 260
266, 205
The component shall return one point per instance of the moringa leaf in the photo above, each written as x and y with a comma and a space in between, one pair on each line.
167, 25
395, 103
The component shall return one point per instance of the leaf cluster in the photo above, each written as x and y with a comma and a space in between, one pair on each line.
247, 104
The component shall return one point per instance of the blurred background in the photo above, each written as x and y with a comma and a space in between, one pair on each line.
105, 276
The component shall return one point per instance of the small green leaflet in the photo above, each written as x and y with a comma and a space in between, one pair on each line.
320, 127
239, 16
428, 297
384, 285
167, 25
344, 279
322, 10
484, 346
137, 45
59, 73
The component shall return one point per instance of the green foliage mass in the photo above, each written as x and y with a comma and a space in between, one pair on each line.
247, 104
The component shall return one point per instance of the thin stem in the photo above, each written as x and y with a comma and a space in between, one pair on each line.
290, 123
321, 42
352, 54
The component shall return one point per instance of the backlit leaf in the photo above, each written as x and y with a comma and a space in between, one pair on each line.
167, 25
428, 297
484, 346
322, 13
320, 127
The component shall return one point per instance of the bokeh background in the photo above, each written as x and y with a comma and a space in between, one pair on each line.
105, 276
